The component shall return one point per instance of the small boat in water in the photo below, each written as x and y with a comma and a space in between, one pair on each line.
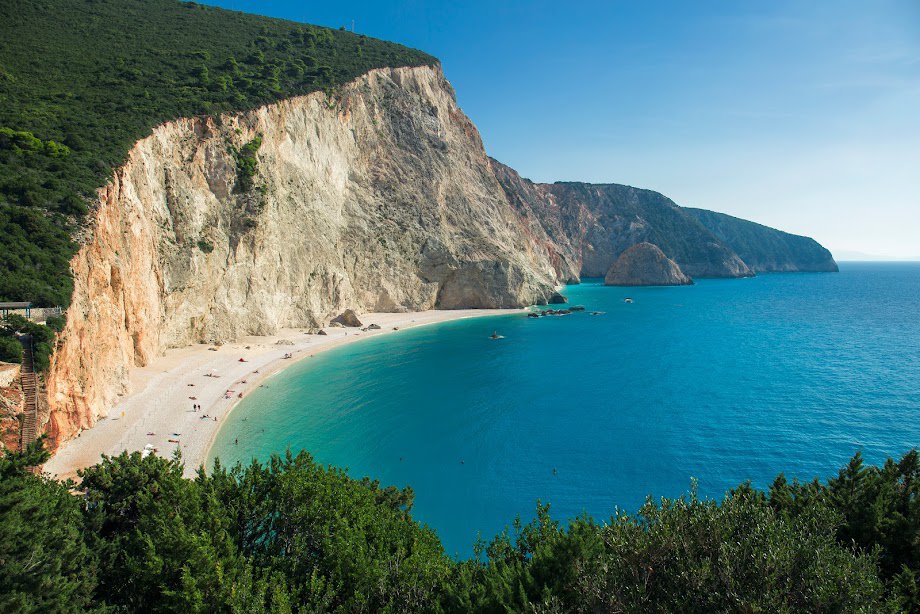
495, 335
628, 300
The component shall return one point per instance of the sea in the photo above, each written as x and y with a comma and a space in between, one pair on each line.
714, 384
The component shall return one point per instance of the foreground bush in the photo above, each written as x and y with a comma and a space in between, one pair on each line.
293, 535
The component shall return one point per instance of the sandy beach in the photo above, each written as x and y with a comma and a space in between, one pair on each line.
159, 409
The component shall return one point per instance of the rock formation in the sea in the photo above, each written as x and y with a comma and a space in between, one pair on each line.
378, 196
558, 299
644, 264
766, 249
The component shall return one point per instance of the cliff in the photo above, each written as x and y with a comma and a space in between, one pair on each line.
379, 198
12, 405
593, 224
766, 249
376, 196
644, 264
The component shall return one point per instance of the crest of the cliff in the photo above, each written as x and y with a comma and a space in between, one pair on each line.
81, 81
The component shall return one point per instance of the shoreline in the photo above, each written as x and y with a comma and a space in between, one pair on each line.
158, 409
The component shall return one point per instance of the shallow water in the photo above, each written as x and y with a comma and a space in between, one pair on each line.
724, 381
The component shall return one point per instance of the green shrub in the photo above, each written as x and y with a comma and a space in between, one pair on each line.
10, 349
41, 356
56, 323
246, 163
42, 338
14, 323
48, 565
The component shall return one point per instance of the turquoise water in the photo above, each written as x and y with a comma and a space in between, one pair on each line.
725, 381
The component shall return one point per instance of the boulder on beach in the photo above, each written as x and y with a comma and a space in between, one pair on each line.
348, 318
644, 264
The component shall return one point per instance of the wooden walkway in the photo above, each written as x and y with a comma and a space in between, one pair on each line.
29, 381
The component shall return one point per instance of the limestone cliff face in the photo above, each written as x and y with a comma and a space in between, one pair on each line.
377, 198
766, 249
594, 223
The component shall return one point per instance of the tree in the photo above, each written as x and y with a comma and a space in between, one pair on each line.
45, 566
10, 349
162, 545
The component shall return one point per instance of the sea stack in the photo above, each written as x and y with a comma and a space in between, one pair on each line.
644, 264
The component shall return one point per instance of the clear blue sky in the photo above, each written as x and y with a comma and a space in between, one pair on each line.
800, 115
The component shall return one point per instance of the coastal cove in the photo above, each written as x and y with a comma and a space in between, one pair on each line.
158, 410
723, 381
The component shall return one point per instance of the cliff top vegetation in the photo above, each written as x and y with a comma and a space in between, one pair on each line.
82, 80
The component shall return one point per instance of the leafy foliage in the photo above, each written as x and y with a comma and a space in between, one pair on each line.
246, 163
40, 335
45, 564
82, 80
291, 534
10, 349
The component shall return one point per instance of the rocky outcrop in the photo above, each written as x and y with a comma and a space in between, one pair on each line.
348, 318
558, 299
12, 405
645, 264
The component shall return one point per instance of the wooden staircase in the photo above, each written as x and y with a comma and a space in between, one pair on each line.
29, 382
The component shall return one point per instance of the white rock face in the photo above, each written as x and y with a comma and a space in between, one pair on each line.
379, 198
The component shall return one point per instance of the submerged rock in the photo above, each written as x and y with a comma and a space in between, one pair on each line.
348, 318
644, 264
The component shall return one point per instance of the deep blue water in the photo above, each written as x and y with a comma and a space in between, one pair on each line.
724, 381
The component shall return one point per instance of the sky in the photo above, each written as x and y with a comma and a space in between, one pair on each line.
804, 116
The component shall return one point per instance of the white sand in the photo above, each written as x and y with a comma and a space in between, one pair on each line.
159, 411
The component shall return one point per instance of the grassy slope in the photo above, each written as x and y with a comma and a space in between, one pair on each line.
87, 78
